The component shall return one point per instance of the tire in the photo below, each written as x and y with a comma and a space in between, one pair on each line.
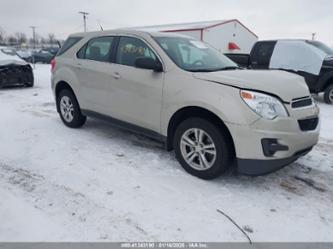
30, 85
328, 95
69, 109
211, 134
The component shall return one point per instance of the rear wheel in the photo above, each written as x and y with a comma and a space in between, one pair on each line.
201, 148
69, 109
30, 85
328, 95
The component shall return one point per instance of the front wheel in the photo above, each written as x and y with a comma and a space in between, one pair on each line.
328, 95
69, 109
202, 148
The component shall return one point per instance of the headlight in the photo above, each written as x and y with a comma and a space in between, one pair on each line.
264, 105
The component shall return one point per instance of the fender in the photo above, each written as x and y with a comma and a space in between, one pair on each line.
68, 76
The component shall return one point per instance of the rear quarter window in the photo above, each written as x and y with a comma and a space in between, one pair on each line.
70, 42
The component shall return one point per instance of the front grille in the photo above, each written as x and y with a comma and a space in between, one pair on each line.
302, 102
308, 124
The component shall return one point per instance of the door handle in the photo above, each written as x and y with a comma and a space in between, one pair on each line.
116, 76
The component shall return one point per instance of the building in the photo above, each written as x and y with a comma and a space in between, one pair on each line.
228, 36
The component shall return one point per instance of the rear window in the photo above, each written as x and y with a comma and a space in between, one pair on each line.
70, 42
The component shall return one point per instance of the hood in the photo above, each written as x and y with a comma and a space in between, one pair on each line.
6, 59
285, 85
12, 62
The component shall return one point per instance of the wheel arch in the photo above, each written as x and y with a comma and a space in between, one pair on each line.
329, 81
61, 85
195, 111
325, 81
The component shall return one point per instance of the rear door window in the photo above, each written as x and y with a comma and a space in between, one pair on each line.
98, 49
81, 52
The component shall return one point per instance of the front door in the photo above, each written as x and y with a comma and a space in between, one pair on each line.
136, 94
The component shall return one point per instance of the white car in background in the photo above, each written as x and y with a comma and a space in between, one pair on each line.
13, 70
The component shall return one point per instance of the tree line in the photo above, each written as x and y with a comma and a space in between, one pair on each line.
21, 39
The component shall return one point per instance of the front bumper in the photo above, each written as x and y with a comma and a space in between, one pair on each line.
255, 167
268, 145
13, 75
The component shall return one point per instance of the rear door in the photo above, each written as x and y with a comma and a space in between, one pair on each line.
261, 54
135, 94
94, 71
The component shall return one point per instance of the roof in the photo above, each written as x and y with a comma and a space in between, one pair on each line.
192, 26
132, 31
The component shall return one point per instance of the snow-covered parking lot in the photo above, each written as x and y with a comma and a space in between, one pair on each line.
100, 183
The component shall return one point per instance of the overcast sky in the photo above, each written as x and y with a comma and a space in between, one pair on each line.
267, 18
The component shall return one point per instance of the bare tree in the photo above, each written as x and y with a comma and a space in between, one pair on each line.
52, 39
21, 37
31, 41
2, 35
43, 41
38, 39
12, 40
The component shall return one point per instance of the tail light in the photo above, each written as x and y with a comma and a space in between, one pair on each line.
53, 65
233, 46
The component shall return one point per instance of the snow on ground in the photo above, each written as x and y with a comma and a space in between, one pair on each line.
100, 183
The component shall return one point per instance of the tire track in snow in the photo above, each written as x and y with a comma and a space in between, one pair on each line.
72, 207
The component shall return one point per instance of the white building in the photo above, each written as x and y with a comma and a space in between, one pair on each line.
228, 36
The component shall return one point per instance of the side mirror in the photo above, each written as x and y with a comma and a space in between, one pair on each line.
149, 63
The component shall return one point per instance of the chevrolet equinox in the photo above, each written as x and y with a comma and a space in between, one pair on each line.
189, 96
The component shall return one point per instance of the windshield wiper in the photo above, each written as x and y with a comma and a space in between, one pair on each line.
204, 70
226, 68
200, 70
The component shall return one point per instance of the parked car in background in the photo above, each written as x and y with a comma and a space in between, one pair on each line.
311, 59
24, 54
189, 96
41, 56
14, 71
8, 51
52, 50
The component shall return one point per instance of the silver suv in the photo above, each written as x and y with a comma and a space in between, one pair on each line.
189, 96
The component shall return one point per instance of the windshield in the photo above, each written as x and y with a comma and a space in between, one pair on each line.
326, 49
8, 51
193, 55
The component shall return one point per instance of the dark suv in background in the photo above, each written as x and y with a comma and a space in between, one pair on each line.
311, 59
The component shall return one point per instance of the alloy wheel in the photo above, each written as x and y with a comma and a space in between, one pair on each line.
198, 149
67, 109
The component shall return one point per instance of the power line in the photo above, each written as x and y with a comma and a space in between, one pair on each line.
84, 14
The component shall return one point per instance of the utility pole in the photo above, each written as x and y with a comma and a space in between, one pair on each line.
314, 36
84, 14
34, 35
